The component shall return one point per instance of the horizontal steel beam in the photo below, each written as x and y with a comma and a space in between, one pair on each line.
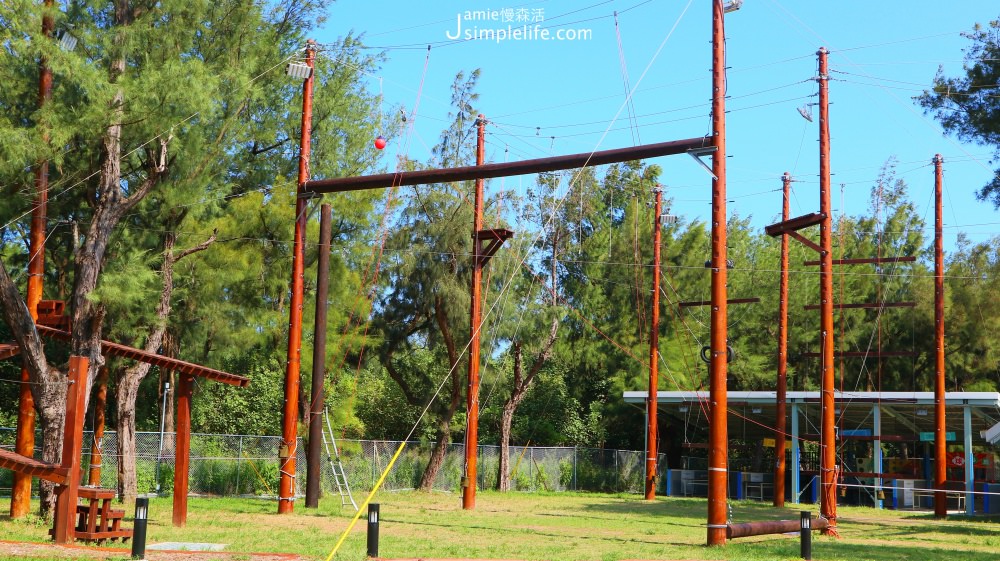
866, 261
860, 354
694, 303
765, 527
505, 169
866, 305
794, 224
181, 366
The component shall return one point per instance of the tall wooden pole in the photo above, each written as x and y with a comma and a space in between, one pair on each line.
24, 443
96, 447
182, 457
289, 434
654, 355
940, 434
718, 452
475, 327
779, 406
828, 443
319, 360
63, 530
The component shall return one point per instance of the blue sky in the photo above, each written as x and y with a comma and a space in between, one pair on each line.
561, 96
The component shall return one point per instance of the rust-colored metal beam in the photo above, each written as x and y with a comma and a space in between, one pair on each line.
496, 237
24, 440
107, 347
793, 224
695, 303
867, 261
764, 527
782, 385
718, 453
504, 169
182, 450
314, 452
63, 530
470, 481
860, 354
940, 445
864, 305
828, 445
654, 355
806, 242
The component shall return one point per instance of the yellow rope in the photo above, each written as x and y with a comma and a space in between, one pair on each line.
367, 500
266, 486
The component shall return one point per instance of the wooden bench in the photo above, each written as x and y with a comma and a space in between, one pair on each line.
96, 520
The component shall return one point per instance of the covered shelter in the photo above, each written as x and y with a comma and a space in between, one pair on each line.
868, 424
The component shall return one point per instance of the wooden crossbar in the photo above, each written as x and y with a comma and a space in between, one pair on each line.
154, 359
8, 350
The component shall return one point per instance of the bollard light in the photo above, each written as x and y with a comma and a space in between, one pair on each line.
373, 529
805, 534
139, 531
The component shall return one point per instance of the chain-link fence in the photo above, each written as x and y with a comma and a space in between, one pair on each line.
232, 465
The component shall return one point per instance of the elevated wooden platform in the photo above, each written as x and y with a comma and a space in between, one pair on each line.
30, 466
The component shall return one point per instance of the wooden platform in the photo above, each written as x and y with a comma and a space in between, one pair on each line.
30, 466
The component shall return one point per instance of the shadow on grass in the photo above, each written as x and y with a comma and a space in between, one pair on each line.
834, 549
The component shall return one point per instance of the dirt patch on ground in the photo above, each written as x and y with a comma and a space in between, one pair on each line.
52, 551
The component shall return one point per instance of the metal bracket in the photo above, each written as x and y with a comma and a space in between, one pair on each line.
697, 153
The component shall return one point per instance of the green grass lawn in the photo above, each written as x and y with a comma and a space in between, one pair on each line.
556, 527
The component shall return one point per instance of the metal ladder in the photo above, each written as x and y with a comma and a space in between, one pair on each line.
339, 477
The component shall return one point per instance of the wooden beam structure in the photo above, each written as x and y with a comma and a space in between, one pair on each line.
185, 367
505, 169
32, 467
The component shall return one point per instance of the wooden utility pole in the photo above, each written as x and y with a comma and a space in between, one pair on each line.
289, 434
940, 432
782, 386
24, 443
475, 328
828, 443
654, 355
718, 451
319, 360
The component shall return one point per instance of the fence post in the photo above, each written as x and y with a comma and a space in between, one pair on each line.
239, 457
574, 469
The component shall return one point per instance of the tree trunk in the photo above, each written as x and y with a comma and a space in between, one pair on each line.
437, 456
128, 391
128, 385
506, 420
521, 384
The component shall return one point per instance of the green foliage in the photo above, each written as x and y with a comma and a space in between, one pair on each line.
967, 105
220, 408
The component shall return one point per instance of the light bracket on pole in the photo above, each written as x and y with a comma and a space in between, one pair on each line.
732, 6
697, 153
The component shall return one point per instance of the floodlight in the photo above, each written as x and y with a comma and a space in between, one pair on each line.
806, 112
667, 218
299, 70
732, 6
921, 412
757, 410
67, 41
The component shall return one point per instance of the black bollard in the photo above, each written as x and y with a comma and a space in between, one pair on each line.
373, 530
805, 534
139, 530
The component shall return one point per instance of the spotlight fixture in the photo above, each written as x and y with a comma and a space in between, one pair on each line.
921, 412
298, 70
732, 6
67, 41
806, 112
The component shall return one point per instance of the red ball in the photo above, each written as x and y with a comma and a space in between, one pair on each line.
380, 142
